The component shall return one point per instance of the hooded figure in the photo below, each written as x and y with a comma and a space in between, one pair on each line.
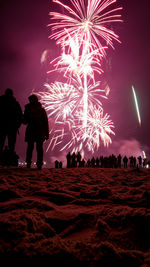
10, 119
37, 129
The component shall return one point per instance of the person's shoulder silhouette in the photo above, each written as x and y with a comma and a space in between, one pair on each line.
10, 110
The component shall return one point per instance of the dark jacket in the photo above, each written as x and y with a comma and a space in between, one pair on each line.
10, 113
37, 122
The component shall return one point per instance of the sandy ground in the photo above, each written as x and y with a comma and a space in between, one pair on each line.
75, 217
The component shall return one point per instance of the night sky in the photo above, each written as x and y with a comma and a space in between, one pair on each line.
24, 37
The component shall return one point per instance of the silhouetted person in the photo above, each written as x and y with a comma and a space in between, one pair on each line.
140, 160
68, 157
101, 161
134, 162
88, 163
82, 163
131, 162
93, 162
37, 130
125, 161
74, 162
60, 164
97, 162
105, 162
110, 162
113, 161
119, 160
56, 164
10, 119
78, 158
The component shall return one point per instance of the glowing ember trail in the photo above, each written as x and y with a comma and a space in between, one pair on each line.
136, 105
144, 154
75, 105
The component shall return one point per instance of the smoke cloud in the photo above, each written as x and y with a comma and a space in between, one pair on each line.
128, 147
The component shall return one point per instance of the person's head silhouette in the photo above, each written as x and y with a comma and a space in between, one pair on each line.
9, 92
33, 99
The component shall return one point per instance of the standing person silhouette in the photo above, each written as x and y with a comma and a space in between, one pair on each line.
37, 130
125, 161
10, 120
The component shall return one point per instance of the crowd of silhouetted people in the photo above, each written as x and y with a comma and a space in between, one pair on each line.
112, 161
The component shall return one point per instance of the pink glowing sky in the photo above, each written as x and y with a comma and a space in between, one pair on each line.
24, 36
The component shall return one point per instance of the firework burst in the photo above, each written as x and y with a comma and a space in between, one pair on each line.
84, 34
99, 127
78, 60
87, 19
63, 100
